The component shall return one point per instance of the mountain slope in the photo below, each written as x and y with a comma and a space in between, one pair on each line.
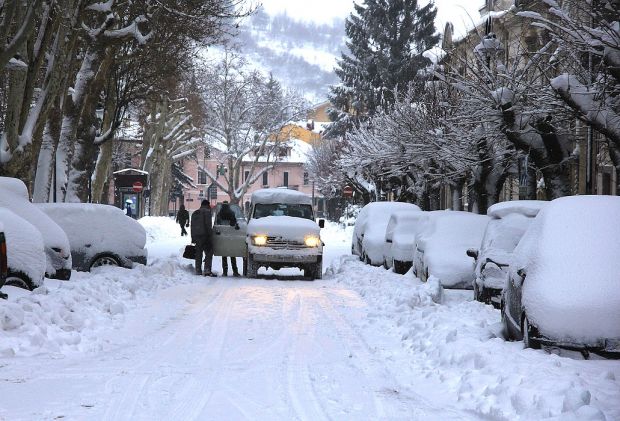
300, 54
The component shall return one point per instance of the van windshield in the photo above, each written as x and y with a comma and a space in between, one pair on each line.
282, 209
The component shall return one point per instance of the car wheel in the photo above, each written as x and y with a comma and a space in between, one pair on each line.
19, 280
104, 260
398, 267
245, 266
314, 271
252, 267
529, 332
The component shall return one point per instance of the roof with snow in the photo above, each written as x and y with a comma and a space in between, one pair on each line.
281, 195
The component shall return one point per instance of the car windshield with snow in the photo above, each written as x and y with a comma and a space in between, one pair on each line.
281, 232
14, 196
564, 277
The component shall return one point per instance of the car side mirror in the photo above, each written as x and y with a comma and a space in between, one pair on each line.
473, 253
321, 223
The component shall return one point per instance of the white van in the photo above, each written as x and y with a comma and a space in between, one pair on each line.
282, 232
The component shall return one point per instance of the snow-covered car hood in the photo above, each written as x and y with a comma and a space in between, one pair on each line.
286, 227
570, 256
24, 246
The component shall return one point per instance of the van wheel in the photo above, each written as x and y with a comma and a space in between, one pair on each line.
314, 271
19, 280
251, 267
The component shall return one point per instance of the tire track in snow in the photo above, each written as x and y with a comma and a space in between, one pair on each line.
195, 399
301, 391
123, 405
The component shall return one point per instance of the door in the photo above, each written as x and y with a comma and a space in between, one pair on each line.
228, 241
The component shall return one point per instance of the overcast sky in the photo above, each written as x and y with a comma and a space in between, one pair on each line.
455, 11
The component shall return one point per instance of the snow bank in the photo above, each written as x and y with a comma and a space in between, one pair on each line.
523, 207
271, 196
98, 228
570, 255
24, 246
454, 347
160, 228
287, 227
444, 241
65, 317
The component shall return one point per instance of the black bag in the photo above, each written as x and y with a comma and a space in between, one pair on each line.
190, 251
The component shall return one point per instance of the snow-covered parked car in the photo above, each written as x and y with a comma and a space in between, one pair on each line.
442, 244
14, 197
509, 221
369, 231
24, 251
281, 232
564, 286
100, 235
400, 239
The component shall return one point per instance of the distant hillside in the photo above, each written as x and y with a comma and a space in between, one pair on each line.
300, 54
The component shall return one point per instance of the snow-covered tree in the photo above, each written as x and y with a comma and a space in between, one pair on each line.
586, 49
245, 114
169, 136
515, 96
386, 39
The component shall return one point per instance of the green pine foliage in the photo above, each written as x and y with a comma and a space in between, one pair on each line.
386, 39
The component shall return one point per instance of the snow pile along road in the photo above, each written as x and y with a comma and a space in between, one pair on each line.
68, 317
456, 343
65, 317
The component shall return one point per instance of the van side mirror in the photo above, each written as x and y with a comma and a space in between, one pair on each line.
473, 253
321, 223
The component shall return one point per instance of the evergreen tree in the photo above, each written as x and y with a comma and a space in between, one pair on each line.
386, 39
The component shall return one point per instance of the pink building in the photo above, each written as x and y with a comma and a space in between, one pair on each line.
288, 171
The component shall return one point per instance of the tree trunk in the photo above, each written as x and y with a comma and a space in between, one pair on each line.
82, 165
45, 169
614, 153
547, 150
74, 104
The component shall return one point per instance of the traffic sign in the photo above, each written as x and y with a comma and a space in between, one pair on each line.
347, 191
137, 186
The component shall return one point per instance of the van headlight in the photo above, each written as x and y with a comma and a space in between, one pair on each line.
259, 240
312, 241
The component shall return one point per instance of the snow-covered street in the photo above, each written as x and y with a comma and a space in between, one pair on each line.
158, 342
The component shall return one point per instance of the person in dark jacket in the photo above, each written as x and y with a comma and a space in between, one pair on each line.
226, 215
183, 219
201, 228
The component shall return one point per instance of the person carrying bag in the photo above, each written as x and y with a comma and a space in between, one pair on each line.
201, 229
